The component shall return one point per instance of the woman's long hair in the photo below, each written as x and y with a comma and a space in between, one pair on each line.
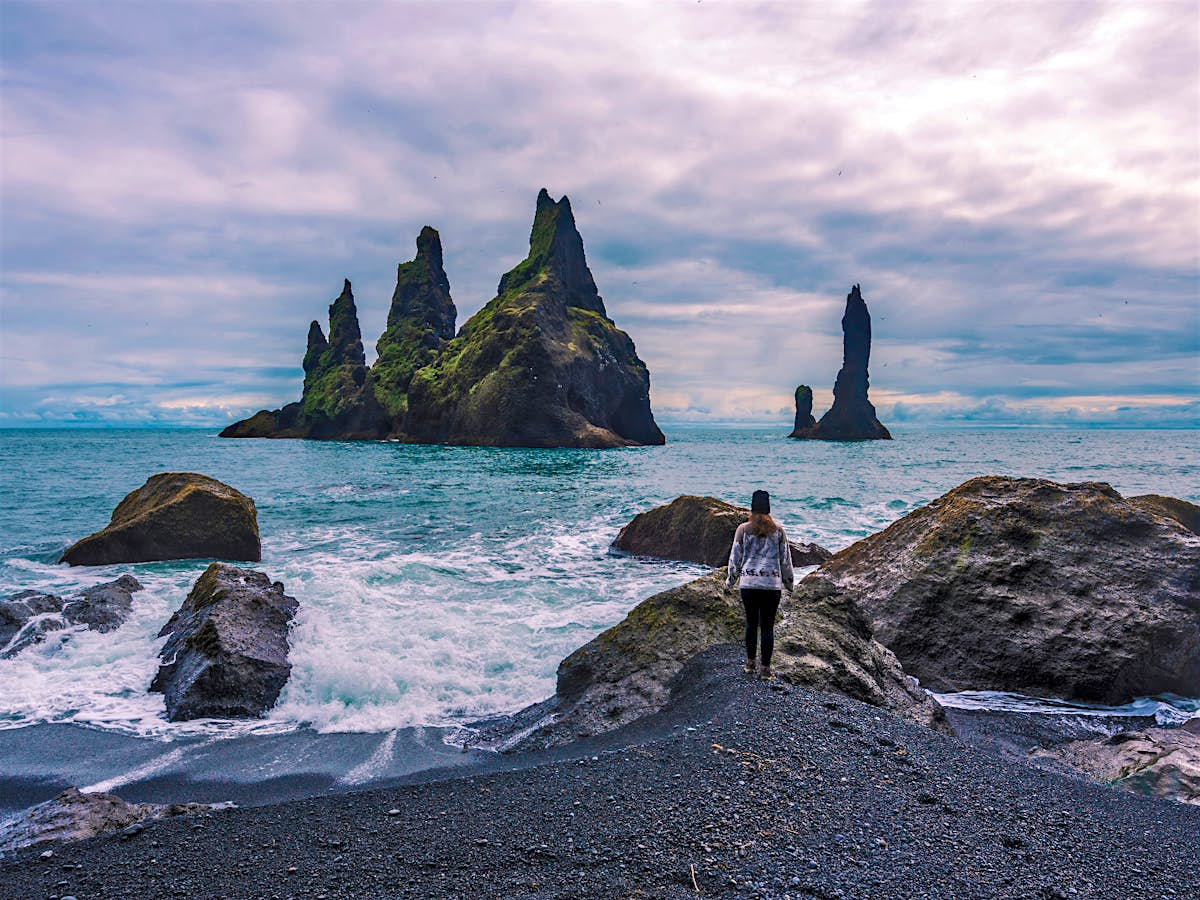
761, 525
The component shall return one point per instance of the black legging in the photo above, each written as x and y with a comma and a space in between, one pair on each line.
761, 606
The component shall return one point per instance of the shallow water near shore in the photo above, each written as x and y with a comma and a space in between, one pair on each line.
439, 585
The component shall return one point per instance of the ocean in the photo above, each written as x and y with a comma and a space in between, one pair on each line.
439, 585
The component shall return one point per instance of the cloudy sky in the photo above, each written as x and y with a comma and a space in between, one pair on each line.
184, 186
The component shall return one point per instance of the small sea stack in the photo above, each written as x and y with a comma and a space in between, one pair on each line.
852, 417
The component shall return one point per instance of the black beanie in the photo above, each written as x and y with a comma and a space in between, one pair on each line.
760, 502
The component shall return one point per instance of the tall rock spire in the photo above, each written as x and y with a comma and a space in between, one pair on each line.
420, 320
804, 416
852, 417
345, 338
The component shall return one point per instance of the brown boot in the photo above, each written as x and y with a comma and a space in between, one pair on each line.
765, 673
749, 667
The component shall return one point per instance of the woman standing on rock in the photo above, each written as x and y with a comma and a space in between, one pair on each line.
760, 561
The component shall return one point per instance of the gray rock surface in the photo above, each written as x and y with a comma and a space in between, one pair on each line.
699, 530
227, 650
27, 617
821, 641
74, 816
1026, 585
174, 515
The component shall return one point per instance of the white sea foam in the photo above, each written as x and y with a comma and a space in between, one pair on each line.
1167, 709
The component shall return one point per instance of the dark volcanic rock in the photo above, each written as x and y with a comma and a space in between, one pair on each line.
1022, 584
852, 417
27, 617
804, 416
338, 402
73, 816
419, 323
227, 654
699, 530
821, 640
1186, 514
541, 365
174, 515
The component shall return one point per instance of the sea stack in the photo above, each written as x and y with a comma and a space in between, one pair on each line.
852, 417
804, 416
542, 364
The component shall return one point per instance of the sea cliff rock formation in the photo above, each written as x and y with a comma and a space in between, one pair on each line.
227, 650
1026, 585
804, 417
26, 618
541, 365
822, 641
74, 816
699, 530
174, 515
852, 416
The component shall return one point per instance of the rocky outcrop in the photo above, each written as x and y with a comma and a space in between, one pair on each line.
1157, 762
804, 417
174, 515
541, 365
226, 653
338, 401
74, 816
822, 641
699, 530
26, 618
852, 416
420, 322
1186, 514
1022, 584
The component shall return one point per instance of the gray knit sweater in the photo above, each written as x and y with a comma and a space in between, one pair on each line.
760, 562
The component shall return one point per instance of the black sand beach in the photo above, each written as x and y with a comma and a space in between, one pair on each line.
737, 789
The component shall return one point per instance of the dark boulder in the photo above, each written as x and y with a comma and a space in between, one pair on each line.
804, 416
74, 816
699, 530
174, 515
1022, 584
852, 416
226, 653
26, 618
542, 364
822, 641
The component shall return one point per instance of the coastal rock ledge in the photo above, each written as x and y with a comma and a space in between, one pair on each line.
28, 617
174, 515
822, 641
1027, 585
227, 653
699, 530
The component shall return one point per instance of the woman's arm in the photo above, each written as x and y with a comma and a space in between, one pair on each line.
785, 562
735, 559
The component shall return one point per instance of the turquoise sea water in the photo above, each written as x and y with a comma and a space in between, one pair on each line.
440, 584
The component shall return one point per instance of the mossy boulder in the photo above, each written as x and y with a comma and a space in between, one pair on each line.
226, 653
822, 641
1186, 514
541, 365
174, 515
1027, 585
699, 530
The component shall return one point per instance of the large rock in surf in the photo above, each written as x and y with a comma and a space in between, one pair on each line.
804, 417
852, 416
338, 401
1022, 584
699, 530
822, 641
74, 816
227, 651
26, 618
542, 364
174, 515
1157, 762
